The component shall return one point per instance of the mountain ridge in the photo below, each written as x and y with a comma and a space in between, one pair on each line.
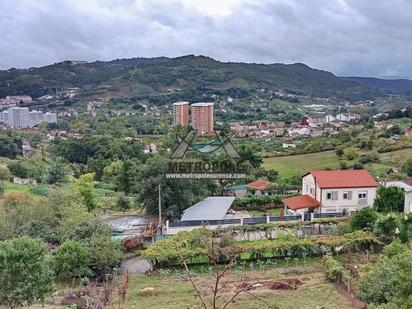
394, 86
155, 76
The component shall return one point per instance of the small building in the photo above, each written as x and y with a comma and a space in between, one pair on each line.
259, 187
211, 208
408, 132
347, 117
334, 191
288, 144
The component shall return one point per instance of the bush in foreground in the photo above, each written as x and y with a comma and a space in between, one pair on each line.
25, 276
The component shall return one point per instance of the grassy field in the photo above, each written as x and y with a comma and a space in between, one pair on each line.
300, 164
173, 292
12, 187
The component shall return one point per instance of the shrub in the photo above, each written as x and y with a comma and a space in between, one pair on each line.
24, 272
343, 228
106, 254
350, 153
394, 248
123, 202
40, 190
83, 228
46, 229
257, 202
334, 270
389, 199
358, 166
387, 227
406, 228
407, 167
71, 260
364, 218
388, 282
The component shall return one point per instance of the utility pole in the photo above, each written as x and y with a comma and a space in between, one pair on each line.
160, 210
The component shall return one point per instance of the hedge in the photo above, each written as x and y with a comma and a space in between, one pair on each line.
193, 246
257, 202
282, 224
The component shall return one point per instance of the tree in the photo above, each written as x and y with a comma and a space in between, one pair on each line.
24, 272
4, 176
83, 227
85, 186
364, 218
389, 281
272, 175
389, 199
407, 167
106, 254
251, 155
57, 172
177, 194
350, 153
339, 152
19, 169
71, 260
123, 202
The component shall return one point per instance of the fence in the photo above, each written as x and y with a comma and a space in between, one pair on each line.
254, 220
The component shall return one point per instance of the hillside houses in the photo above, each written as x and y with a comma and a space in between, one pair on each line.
308, 126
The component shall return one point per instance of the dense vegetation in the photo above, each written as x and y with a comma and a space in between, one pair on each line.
197, 78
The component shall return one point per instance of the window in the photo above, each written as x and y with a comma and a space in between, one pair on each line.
311, 190
328, 195
306, 187
333, 195
362, 195
347, 195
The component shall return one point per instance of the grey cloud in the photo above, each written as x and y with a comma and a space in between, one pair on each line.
347, 37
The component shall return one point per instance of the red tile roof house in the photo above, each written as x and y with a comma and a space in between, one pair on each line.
334, 191
259, 187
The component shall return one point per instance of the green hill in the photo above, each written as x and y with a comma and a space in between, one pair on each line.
189, 75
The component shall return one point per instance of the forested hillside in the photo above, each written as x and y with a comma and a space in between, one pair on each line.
193, 75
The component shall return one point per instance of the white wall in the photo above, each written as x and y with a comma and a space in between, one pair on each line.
353, 204
308, 186
408, 201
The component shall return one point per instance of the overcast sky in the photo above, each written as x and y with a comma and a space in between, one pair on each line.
347, 37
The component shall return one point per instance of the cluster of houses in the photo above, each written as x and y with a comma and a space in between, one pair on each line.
326, 192
14, 100
308, 126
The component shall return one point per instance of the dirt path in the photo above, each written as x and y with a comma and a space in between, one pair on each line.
356, 303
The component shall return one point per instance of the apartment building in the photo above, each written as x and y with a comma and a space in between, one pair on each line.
21, 117
202, 117
181, 113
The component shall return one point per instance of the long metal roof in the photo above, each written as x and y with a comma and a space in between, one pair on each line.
211, 208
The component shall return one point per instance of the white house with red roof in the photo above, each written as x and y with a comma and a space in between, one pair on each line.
334, 191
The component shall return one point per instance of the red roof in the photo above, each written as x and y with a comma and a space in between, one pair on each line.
259, 184
300, 202
344, 179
